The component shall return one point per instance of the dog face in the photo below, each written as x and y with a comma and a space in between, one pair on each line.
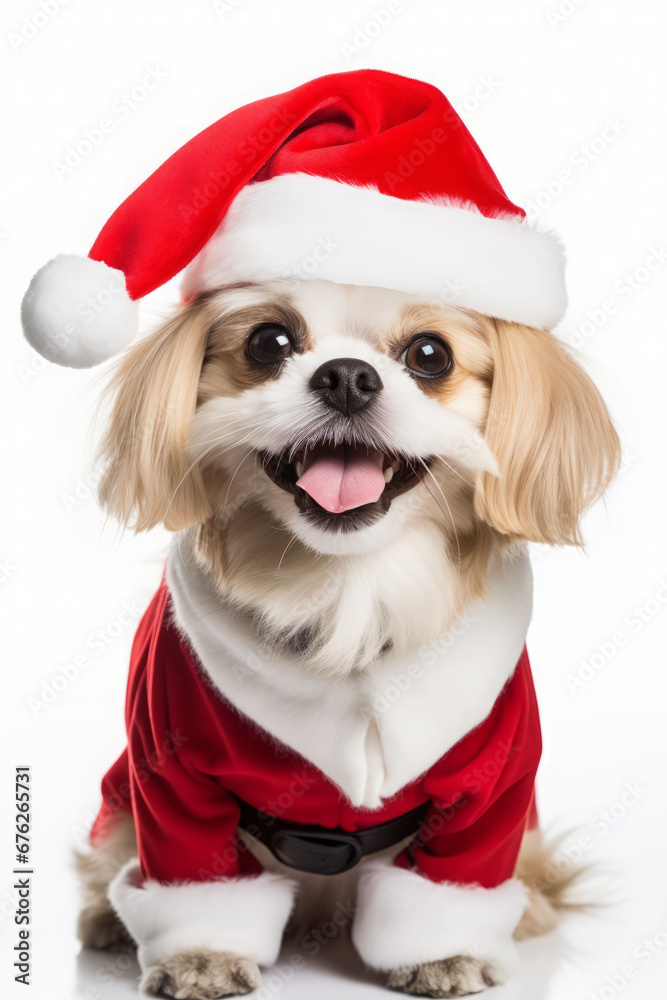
330, 405
307, 396
408, 441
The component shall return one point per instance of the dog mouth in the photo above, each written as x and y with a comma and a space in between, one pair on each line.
343, 486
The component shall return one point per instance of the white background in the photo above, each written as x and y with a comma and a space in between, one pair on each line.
538, 90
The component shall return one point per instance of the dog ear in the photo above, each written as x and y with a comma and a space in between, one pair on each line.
147, 478
552, 437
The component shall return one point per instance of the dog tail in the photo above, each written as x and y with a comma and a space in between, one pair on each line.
554, 883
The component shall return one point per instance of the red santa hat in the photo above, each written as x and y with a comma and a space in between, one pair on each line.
363, 178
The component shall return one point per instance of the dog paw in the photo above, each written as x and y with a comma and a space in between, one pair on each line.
99, 927
451, 977
202, 975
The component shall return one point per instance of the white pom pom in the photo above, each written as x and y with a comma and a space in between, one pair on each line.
77, 312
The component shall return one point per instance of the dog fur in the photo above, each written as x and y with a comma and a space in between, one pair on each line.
515, 444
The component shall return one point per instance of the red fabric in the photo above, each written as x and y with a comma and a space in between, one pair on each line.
188, 749
363, 127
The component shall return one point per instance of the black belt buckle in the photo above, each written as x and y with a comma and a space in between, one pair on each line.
317, 852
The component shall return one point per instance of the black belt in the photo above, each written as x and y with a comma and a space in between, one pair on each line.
321, 850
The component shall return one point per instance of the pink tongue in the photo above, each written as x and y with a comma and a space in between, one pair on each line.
342, 478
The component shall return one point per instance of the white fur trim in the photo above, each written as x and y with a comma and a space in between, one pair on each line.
405, 919
246, 916
303, 226
77, 312
381, 728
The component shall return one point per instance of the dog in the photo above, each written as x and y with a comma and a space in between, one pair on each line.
215, 415
329, 697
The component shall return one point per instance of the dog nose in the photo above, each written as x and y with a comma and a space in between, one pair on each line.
346, 384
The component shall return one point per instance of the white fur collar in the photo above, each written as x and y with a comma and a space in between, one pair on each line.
374, 733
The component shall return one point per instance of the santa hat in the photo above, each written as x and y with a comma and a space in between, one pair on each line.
363, 178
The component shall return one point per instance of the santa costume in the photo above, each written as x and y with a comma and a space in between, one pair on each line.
376, 179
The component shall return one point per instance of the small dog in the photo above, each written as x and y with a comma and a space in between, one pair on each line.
220, 416
329, 696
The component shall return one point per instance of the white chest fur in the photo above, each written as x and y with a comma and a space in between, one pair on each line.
377, 731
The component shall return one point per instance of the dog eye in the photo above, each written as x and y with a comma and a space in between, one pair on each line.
427, 356
269, 344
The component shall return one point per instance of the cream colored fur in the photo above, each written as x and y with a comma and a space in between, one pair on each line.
98, 926
519, 438
518, 444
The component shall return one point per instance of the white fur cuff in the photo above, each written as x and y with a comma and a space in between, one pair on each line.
404, 919
243, 915
305, 226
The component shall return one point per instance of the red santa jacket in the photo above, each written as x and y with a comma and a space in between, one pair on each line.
189, 751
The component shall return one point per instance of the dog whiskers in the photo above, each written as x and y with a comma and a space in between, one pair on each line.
285, 550
449, 510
